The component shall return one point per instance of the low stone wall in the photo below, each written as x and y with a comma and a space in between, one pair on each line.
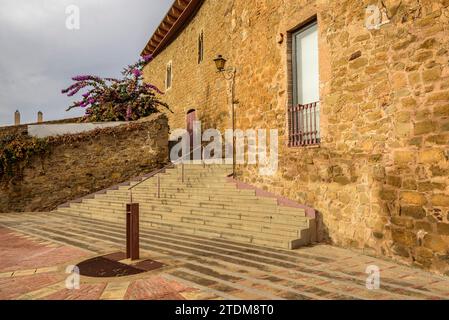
78, 165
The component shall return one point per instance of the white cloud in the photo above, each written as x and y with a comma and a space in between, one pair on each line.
39, 55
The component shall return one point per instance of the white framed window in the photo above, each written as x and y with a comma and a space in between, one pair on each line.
304, 113
306, 77
169, 76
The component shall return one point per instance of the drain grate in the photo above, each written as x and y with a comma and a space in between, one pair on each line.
108, 266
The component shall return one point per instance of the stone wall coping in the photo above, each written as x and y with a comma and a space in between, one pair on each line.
51, 130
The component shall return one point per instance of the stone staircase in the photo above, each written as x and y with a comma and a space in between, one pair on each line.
205, 204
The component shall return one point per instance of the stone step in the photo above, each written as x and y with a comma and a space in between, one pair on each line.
250, 206
200, 168
196, 174
185, 194
180, 194
231, 234
149, 217
172, 191
205, 204
177, 182
233, 224
212, 190
230, 222
258, 238
199, 179
257, 203
299, 219
276, 218
190, 174
186, 186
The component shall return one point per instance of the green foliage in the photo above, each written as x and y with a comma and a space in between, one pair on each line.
17, 149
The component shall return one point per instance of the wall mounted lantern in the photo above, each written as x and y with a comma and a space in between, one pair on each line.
220, 63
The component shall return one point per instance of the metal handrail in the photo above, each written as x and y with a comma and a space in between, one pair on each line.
160, 171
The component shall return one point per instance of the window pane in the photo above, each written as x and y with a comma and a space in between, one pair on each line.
307, 68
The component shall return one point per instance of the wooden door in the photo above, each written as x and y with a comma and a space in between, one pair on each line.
191, 117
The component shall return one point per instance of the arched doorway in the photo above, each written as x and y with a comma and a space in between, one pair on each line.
190, 118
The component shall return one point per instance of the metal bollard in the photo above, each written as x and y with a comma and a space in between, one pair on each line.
132, 231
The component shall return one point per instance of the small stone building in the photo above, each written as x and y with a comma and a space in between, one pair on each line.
359, 91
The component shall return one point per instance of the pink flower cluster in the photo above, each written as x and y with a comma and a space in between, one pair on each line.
110, 99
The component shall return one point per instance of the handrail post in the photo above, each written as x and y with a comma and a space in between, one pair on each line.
158, 186
182, 172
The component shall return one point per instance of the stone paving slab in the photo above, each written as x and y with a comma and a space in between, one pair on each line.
115, 291
37, 248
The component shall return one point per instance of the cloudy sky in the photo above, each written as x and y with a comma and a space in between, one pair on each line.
39, 54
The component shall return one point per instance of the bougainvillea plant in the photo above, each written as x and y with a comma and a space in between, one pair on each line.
108, 99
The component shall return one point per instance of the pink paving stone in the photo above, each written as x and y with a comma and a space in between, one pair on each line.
13, 288
156, 288
180, 287
18, 253
86, 292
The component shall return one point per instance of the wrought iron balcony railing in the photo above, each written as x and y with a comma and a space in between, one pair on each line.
304, 125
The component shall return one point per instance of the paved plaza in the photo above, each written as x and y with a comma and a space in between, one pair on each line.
37, 248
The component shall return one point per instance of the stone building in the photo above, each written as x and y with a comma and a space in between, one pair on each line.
372, 74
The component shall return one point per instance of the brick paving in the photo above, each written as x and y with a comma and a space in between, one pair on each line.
13, 288
21, 251
86, 292
157, 288
37, 248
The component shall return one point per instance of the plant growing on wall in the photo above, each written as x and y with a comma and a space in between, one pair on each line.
108, 99
17, 148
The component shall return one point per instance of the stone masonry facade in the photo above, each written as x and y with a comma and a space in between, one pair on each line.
81, 164
379, 178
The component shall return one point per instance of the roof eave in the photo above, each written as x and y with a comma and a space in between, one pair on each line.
174, 21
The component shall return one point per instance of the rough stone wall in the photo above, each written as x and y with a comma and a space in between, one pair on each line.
380, 177
78, 165
197, 86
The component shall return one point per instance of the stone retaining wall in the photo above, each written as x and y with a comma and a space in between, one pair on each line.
78, 165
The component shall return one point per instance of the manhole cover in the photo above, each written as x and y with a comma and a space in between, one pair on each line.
109, 266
